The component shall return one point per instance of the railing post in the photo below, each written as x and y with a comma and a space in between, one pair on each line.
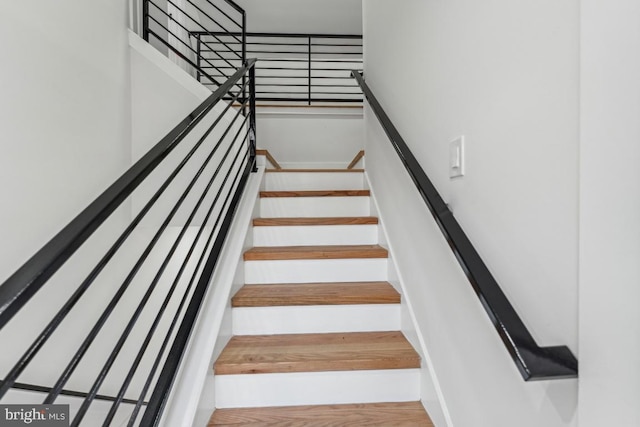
243, 98
198, 55
145, 20
252, 117
309, 67
244, 38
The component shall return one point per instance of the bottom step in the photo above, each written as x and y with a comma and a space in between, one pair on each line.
370, 414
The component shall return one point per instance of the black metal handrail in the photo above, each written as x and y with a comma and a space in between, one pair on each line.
209, 19
533, 362
293, 67
228, 145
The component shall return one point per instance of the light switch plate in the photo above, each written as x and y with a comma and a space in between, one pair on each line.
456, 158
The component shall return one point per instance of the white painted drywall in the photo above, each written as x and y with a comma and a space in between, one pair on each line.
76, 124
64, 114
304, 16
311, 138
155, 80
505, 75
609, 212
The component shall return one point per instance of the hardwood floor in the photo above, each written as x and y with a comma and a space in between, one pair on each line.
267, 253
404, 414
316, 193
354, 220
296, 294
316, 352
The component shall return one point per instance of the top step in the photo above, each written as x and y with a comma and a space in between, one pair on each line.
314, 179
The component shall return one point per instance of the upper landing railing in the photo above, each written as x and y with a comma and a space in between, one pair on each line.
171, 26
310, 69
533, 362
209, 40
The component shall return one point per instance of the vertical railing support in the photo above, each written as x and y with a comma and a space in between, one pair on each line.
244, 38
309, 69
145, 20
243, 98
198, 55
252, 117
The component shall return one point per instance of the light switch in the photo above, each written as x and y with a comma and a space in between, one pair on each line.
456, 157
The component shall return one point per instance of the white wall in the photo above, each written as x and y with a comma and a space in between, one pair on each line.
304, 16
64, 114
310, 138
162, 95
609, 213
505, 75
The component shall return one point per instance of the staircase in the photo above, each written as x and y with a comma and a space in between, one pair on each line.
316, 328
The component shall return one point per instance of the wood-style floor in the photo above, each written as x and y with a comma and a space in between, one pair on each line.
261, 354
296, 294
405, 414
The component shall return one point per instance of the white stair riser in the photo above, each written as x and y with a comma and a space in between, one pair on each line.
315, 271
297, 181
315, 235
317, 388
316, 319
279, 207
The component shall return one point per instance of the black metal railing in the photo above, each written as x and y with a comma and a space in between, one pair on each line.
104, 311
184, 33
533, 362
299, 68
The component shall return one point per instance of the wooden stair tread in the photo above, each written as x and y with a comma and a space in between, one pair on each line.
316, 193
256, 354
400, 414
265, 253
297, 294
316, 170
356, 220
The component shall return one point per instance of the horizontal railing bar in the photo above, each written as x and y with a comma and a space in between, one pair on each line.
306, 77
305, 93
65, 392
348, 61
333, 100
533, 362
295, 69
250, 43
294, 59
305, 52
302, 85
300, 35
